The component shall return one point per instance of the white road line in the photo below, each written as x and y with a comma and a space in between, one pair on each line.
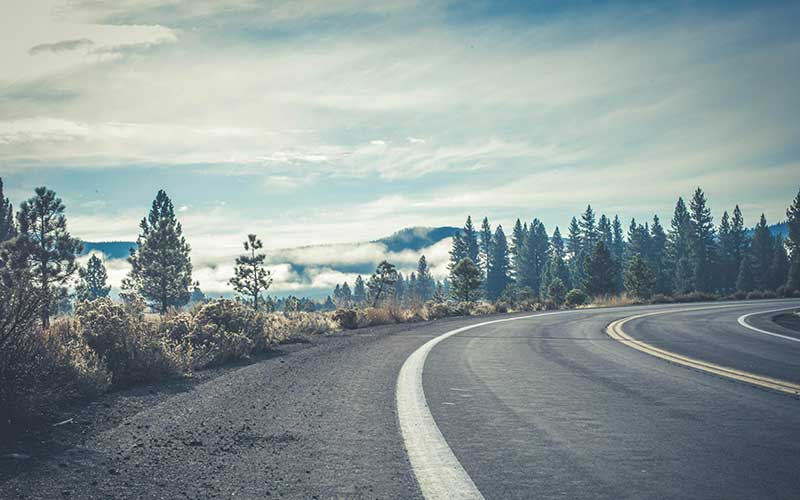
438, 471
743, 321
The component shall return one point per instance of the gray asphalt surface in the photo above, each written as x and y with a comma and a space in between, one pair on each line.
553, 408
542, 408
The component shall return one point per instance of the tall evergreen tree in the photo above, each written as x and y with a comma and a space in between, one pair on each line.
92, 284
251, 278
466, 281
485, 246
678, 249
618, 250
779, 267
744, 279
556, 267
470, 236
537, 253
575, 253
517, 243
498, 277
7, 228
359, 291
347, 294
793, 221
458, 252
640, 281
605, 232
588, 227
48, 246
161, 269
412, 291
425, 283
726, 259
381, 284
658, 256
600, 274
400, 288
761, 252
702, 242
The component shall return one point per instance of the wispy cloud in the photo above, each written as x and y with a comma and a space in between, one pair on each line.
62, 46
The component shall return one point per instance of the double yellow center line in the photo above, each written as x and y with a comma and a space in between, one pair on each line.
615, 331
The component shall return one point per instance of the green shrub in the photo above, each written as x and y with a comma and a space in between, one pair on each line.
755, 295
695, 297
660, 298
42, 370
576, 297
131, 349
347, 318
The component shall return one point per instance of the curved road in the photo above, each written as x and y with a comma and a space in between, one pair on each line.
548, 406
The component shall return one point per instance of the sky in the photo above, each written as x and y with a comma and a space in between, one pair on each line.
338, 121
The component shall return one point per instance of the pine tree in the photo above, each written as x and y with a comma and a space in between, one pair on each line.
727, 279
793, 221
347, 294
588, 230
604, 231
517, 242
161, 269
575, 253
251, 278
425, 284
400, 291
7, 228
498, 277
640, 280
658, 256
48, 246
556, 291
761, 252
93, 280
439, 295
359, 291
537, 254
381, 284
411, 290
600, 271
557, 265
470, 236
618, 250
337, 295
485, 246
779, 267
678, 249
744, 279
702, 243
458, 252
466, 281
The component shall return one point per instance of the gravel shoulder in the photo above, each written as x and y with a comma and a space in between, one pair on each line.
310, 420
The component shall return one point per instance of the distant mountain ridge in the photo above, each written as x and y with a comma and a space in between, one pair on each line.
417, 238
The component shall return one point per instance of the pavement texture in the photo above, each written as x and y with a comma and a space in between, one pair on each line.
546, 407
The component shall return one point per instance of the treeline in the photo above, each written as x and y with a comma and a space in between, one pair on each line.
387, 285
692, 259
692, 256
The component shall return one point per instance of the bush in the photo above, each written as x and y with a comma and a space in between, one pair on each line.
575, 297
441, 310
131, 349
374, 316
770, 294
347, 318
480, 309
695, 297
42, 370
660, 298
501, 307
755, 295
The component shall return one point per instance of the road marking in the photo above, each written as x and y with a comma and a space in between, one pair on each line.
615, 331
438, 471
743, 321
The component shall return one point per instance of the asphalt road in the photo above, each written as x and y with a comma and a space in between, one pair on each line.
547, 407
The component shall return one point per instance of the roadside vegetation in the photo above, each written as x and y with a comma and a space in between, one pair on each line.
64, 339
